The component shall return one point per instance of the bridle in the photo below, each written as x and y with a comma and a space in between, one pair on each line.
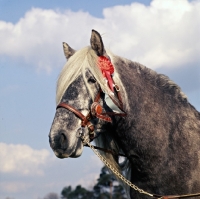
97, 112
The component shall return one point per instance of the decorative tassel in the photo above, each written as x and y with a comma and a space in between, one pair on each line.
107, 70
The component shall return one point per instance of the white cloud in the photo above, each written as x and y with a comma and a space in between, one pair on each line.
93, 162
22, 159
38, 37
88, 181
90, 173
162, 34
14, 187
165, 33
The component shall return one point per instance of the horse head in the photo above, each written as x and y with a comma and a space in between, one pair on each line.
77, 87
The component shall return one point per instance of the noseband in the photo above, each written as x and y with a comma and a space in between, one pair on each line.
96, 111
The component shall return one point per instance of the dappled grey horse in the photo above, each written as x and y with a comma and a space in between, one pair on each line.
155, 126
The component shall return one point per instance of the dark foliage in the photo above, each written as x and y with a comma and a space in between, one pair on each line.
78, 193
103, 189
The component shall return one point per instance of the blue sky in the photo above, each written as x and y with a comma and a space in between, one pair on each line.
163, 35
13, 10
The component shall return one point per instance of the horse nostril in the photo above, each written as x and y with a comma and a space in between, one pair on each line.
63, 137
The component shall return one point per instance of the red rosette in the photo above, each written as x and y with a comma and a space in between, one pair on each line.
105, 64
107, 70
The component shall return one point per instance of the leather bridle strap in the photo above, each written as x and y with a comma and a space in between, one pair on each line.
96, 111
84, 119
118, 103
85, 122
70, 108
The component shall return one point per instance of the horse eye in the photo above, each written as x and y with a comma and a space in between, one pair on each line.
91, 80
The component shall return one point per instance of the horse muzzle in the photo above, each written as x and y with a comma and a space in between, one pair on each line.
63, 147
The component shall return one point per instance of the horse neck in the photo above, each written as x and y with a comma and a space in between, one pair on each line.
154, 111
142, 86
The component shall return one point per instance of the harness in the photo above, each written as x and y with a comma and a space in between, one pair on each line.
96, 111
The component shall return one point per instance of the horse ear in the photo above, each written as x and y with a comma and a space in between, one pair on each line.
68, 51
97, 43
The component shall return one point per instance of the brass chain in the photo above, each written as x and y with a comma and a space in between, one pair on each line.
114, 170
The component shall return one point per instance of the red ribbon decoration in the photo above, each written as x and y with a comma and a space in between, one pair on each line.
107, 70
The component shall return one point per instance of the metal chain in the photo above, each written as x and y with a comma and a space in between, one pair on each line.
114, 170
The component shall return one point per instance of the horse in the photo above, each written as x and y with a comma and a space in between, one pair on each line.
155, 126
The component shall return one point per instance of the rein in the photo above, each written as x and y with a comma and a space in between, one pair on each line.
96, 111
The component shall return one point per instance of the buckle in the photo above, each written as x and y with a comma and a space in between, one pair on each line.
117, 87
